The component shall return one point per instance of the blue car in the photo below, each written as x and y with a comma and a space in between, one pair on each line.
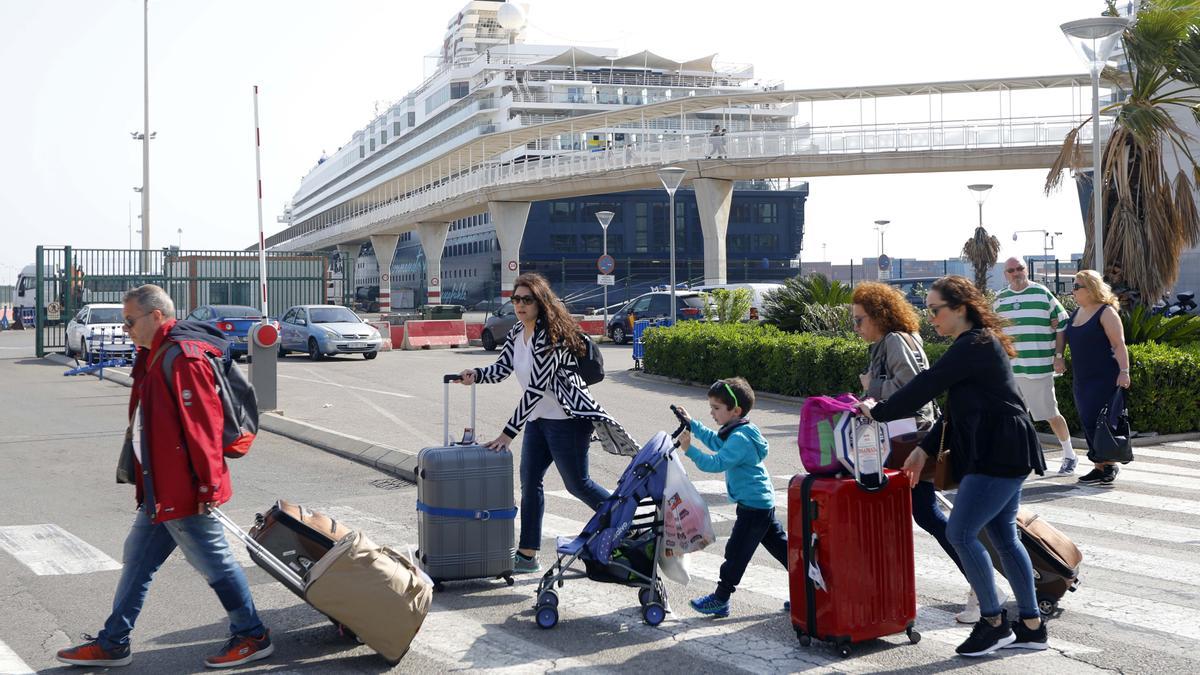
234, 322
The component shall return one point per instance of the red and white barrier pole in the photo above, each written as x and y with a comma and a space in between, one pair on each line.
262, 240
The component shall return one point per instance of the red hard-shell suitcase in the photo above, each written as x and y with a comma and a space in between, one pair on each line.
858, 544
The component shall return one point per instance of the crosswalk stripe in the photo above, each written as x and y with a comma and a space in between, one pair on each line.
1139, 453
11, 664
1155, 468
1194, 445
1140, 564
1136, 499
1063, 516
49, 550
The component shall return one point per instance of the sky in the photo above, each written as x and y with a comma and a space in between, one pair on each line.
71, 93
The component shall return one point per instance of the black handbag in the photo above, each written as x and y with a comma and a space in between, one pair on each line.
1112, 443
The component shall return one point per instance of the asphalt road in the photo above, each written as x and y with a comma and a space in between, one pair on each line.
1135, 612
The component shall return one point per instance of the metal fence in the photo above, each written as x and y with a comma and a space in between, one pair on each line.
69, 278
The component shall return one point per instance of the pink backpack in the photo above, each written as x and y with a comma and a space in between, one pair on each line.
815, 436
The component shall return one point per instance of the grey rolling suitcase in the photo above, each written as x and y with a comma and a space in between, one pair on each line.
466, 511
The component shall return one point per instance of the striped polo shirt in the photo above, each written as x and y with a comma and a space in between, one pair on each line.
1027, 316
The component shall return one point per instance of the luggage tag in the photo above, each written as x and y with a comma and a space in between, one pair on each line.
814, 570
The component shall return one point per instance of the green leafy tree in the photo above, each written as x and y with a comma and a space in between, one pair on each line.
1150, 214
725, 305
809, 304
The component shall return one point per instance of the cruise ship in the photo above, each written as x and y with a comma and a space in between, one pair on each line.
488, 80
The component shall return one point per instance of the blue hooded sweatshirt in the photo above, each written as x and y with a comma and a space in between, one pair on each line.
740, 455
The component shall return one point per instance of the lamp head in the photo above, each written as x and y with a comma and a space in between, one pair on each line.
1095, 38
671, 177
981, 191
1014, 236
605, 217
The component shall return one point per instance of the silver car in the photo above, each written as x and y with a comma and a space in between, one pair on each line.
319, 330
496, 327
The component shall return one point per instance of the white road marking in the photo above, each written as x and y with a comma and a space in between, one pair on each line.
347, 386
50, 550
1109, 524
11, 664
1167, 454
411, 431
1136, 499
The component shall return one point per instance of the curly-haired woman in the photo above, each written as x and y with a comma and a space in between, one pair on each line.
994, 447
543, 350
883, 317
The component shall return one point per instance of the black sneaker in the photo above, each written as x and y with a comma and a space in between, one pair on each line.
986, 638
1028, 638
1110, 475
1092, 477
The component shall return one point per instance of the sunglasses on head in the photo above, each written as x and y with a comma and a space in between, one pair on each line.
729, 390
1014, 270
523, 300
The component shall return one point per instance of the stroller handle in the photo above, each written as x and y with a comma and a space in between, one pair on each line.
683, 424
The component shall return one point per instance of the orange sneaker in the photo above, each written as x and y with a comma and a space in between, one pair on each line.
91, 653
239, 650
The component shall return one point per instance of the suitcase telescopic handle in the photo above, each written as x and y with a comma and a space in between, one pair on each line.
446, 380
286, 573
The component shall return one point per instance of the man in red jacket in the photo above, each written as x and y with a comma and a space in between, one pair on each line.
180, 474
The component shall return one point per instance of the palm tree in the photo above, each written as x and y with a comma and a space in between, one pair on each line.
1149, 214
982, 250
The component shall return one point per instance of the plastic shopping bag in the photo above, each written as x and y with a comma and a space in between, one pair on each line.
674, 566
686, 525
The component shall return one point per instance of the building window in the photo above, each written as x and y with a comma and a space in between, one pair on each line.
641, 228
766, 243
768, 213
411, 119
562, 243
562, 212
588, 211
739, 243
593, 243
383, 136
741, 213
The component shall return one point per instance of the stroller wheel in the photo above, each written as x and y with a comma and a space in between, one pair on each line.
653, 614
645, 596
547, 617
548, 599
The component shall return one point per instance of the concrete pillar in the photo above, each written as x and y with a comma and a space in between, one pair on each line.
509, 219
433, 242
385, 250
713, 198
349, 256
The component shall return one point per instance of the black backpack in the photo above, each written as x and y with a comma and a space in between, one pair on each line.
238, 400
591, 365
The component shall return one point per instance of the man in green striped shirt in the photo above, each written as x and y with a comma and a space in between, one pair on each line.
1037, 322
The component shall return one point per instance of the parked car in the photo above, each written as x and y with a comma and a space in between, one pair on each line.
234, 322
913, 288
497, 325
104, 323
653, 305
319, 330
757, 291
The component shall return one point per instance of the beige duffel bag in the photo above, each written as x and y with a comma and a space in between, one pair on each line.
372, 590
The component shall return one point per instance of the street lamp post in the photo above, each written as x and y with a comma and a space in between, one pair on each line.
1094, 39
180, 232
879, 227
981, 191
146, 135
671, 177
605, 218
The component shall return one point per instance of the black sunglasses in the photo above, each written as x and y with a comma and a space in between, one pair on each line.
523, 300
1077, 286
1014, 270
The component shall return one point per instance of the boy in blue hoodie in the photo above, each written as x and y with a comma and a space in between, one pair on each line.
740, 449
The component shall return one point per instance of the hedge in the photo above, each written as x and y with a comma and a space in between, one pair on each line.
1165, 396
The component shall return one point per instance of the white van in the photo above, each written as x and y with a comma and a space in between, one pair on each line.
757, 291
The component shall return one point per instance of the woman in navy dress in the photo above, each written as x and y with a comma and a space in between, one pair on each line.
1100, 361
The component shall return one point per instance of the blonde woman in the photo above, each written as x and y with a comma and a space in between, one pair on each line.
1100, 361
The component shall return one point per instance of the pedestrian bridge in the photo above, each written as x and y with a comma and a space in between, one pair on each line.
472, 178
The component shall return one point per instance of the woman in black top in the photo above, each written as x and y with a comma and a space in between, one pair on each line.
993, 448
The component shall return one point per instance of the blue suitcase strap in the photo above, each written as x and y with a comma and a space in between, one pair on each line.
484, 514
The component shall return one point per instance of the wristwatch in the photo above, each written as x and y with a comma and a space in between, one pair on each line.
1058, 355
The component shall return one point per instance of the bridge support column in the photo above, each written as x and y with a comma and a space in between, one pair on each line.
433, 242
385, 250
713, 198
348, 254
509, 219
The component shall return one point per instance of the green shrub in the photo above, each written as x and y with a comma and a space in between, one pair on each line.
724, 305
1165, 396
1142, 326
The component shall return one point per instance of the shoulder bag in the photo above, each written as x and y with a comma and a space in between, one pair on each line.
943, 471
1111, 442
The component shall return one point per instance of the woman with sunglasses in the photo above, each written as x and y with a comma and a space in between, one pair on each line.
884, 318
1100, 360
556, 409
993, 447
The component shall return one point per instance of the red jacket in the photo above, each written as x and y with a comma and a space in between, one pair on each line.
183, 463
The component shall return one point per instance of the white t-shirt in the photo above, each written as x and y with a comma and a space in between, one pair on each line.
137, 433
547, 408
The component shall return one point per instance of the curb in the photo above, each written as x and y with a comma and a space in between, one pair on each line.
1048, 439
397, 462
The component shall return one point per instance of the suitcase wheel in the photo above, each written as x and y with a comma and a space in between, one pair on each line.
509, 580
805, 638
547, 616
1048, 607
913, 635
653, 614
843, 649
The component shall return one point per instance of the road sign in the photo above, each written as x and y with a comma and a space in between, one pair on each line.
512, 265
606, 280
53, 311
434, 281
606, 264
385, 277
884, 263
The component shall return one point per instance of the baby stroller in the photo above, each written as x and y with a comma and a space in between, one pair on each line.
621, 544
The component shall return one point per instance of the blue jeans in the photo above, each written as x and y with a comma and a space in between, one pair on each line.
752, 527
987, 502
203, 543
931, 519
563, 443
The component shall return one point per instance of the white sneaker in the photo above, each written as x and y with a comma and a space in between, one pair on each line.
970, 613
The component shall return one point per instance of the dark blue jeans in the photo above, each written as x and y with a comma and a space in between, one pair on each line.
563, 443
991, 503
752, 527
931, 519
203, 543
